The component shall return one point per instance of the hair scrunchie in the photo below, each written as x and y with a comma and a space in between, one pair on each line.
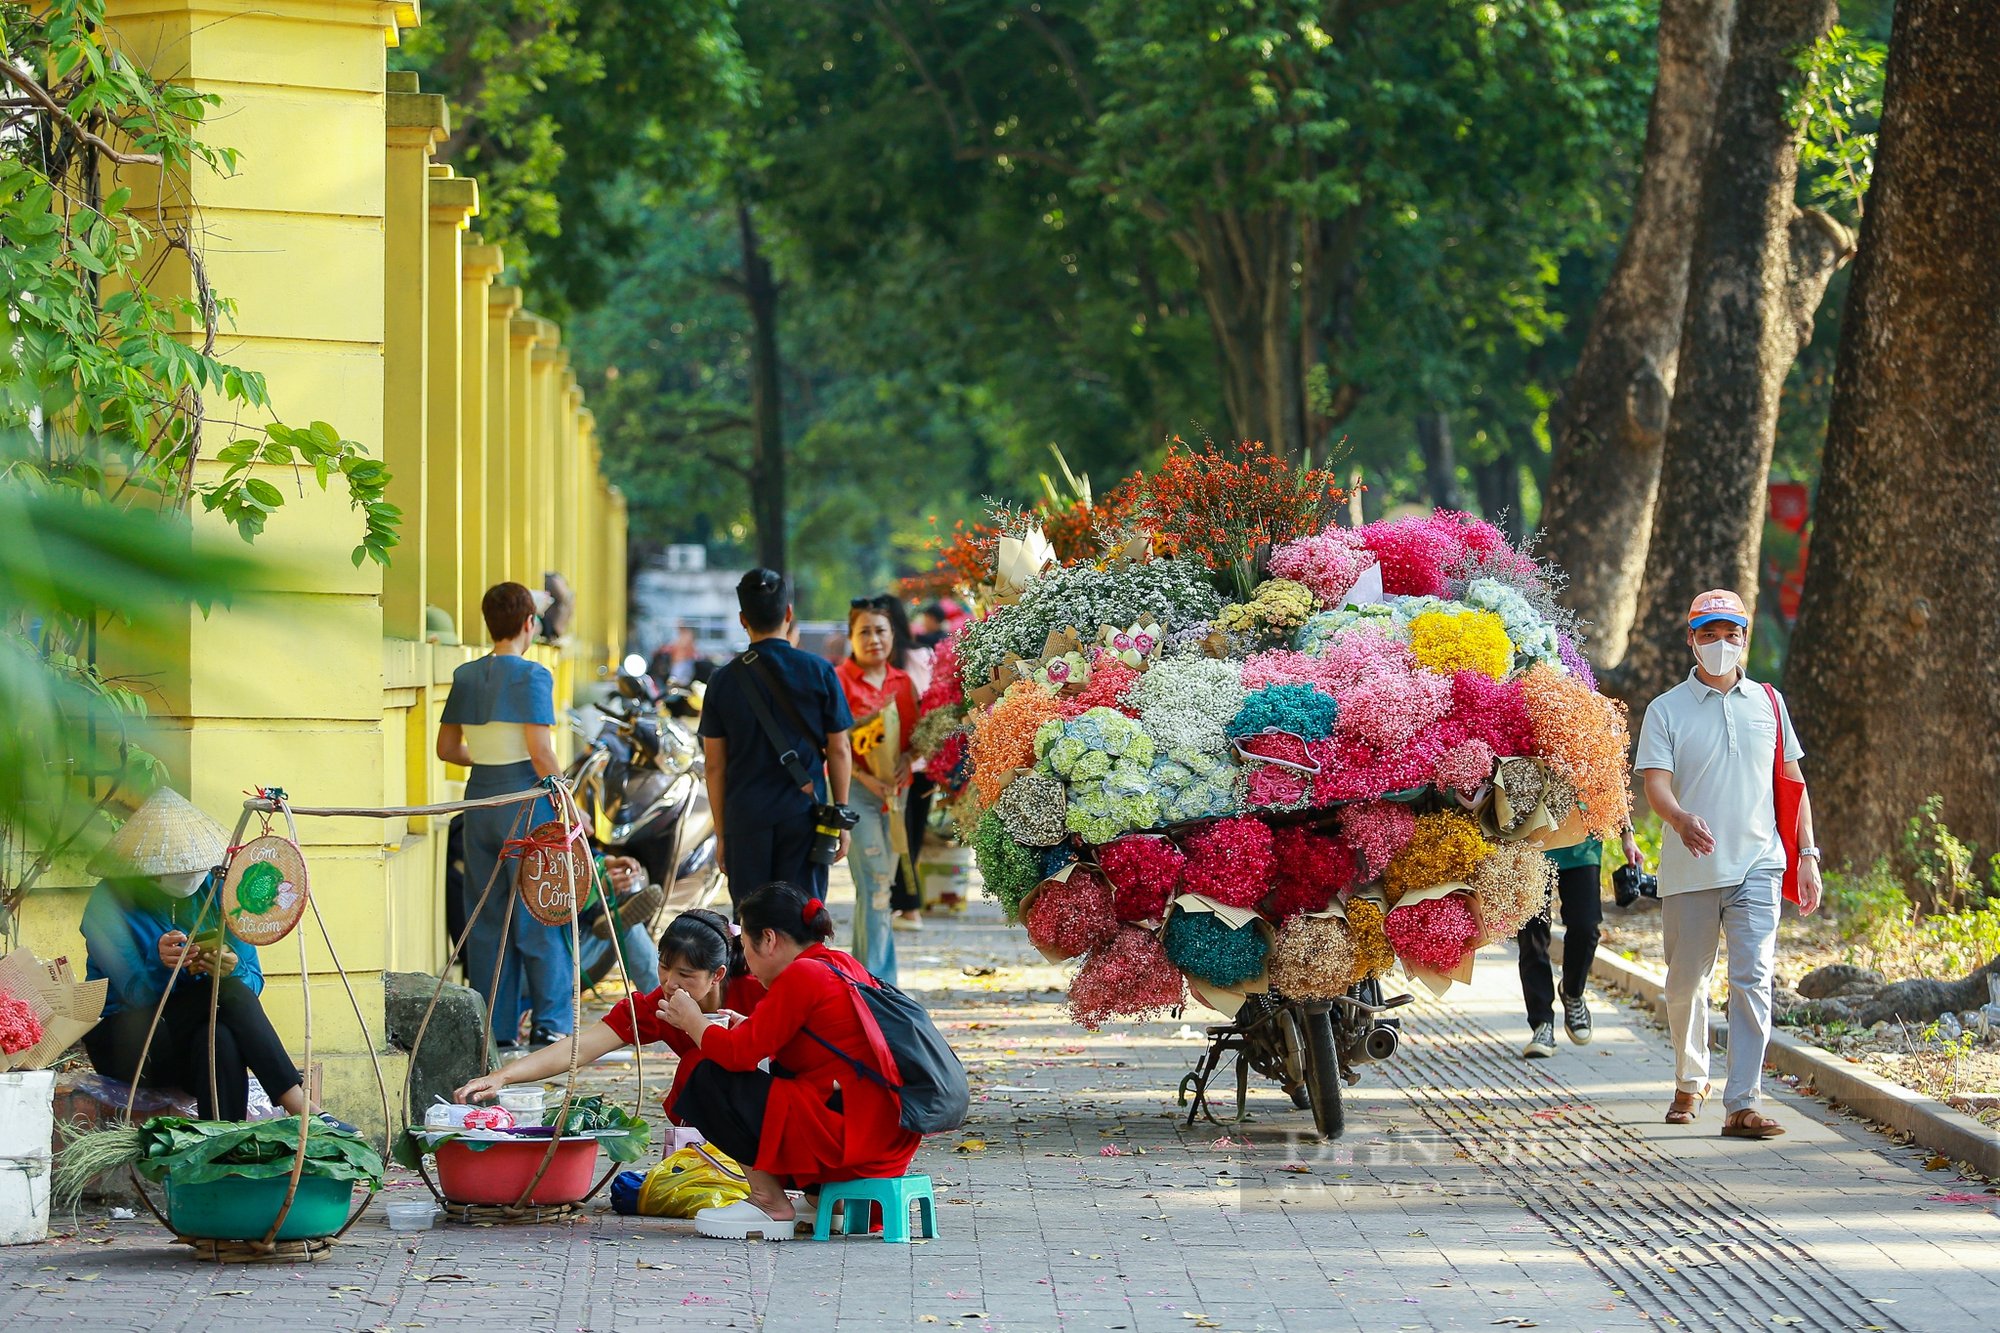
812, 909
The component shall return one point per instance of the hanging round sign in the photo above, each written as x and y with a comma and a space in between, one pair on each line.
264, 891
555, 868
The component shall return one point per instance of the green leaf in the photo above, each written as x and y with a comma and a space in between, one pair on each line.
264, 492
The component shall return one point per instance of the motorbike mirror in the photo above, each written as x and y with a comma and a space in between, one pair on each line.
635, 665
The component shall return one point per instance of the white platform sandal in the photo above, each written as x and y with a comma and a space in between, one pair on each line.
742, 1220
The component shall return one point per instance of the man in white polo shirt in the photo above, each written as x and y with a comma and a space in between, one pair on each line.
1707, 753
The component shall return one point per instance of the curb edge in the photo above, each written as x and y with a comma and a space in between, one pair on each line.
1928, 1121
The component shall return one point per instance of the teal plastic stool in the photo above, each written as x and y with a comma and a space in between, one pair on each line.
893, 1196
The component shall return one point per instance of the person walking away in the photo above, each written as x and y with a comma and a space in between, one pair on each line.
873, 685
158, 908
762, 810
1580, 895
1708, 751
498, 723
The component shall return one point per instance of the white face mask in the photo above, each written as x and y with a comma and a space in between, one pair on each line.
1719, 657
181, 886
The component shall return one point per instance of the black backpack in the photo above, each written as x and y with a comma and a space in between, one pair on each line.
931, 1085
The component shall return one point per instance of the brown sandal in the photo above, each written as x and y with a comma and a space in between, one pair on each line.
1748, 1124
1686, 1106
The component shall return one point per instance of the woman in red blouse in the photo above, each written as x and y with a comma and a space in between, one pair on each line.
699, 959
804, 1118
872, 682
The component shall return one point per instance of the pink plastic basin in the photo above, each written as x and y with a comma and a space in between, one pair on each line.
498, 1172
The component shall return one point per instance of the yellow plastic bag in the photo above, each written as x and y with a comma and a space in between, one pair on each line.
690, 1180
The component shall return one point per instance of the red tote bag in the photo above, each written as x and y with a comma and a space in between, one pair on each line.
1789, 792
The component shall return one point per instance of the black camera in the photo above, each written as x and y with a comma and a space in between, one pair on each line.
1629, 884
829, 822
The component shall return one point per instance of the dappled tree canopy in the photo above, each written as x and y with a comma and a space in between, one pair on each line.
1089, 224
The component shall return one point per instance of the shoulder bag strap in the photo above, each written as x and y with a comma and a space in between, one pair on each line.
873, 1076
788, 755
761, 664
1777, 716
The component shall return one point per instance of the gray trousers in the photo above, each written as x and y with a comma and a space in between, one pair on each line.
1746, 915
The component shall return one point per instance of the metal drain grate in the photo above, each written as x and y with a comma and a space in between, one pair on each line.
1679, 1247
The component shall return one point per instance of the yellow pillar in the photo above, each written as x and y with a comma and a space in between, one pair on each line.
545, 370
523, 558
286, 685
567, 492
615, 541
453, 201
503, 307
482, 264
415, 122
590, 530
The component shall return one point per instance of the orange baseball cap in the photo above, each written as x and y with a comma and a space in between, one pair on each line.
1717, 604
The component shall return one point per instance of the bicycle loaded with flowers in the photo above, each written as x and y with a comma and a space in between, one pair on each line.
1228, 748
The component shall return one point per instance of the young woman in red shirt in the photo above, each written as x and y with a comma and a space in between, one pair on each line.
699, 959
803, 1118
872, 682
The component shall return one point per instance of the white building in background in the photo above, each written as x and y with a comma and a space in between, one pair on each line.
678, 588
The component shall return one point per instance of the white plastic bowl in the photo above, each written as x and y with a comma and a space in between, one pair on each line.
411, 1215
525, 1104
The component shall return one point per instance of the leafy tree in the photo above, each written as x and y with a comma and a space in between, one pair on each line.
552, 101
1299, 171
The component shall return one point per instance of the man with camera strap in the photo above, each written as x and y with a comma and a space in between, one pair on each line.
774, 735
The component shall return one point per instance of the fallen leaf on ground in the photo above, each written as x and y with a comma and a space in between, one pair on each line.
971, 1145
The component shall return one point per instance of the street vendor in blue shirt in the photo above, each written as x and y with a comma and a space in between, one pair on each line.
158, 909
498, 723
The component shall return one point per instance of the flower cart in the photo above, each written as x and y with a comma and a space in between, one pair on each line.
494, 1170
1236, 752
256, 1191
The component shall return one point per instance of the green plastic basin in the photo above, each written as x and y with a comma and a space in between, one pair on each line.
237, 1209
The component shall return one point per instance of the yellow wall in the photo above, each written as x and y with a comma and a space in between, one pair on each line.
364, 305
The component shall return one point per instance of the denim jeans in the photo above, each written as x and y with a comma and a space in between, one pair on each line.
535, 973
1693, 923
642, 956
871, 859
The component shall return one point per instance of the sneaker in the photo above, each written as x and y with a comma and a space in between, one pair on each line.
901, 922
1576, 1017
1543, 1044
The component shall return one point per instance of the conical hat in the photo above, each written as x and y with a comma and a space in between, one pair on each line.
165, 836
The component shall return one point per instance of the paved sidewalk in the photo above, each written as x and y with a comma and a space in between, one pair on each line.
1472, 1190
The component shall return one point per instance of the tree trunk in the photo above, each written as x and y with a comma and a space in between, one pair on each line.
1440, 463
1759, 269
1609, 426
767, 422
1499, 485
1893, 679
1245, 267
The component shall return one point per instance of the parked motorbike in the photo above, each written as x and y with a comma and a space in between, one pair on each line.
1309, 1047
640, 783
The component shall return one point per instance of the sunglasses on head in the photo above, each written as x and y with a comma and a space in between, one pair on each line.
880, 603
